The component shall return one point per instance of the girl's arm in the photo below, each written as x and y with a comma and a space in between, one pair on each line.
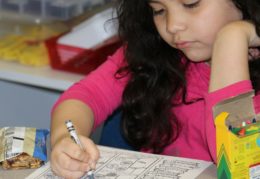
94, 97
229, 63
74, 110
229, 70
67, 158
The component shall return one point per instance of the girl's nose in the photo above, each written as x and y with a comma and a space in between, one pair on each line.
175, 23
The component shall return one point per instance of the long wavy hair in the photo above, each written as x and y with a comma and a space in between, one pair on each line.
157, 75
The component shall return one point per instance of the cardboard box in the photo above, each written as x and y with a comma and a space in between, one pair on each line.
238, 138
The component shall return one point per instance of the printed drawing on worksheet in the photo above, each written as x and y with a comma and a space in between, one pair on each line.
123, 164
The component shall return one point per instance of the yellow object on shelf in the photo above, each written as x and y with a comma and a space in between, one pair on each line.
31, 53
21, 49
25, 43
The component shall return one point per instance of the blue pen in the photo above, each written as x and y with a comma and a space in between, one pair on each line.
74, 136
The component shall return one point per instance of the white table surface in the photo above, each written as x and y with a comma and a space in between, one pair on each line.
209, 173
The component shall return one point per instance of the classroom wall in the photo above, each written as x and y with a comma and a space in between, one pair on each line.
30, 106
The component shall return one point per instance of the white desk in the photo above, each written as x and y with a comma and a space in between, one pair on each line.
209, 173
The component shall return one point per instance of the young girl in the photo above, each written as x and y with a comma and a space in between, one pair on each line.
161, 80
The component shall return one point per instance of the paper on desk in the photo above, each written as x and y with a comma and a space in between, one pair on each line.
123, 164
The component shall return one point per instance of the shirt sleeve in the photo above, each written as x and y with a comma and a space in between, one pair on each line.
211, 100
100, 90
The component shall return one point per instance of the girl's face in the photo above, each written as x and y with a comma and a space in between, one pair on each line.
192, 25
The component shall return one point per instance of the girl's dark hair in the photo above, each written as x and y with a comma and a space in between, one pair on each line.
156, 76
251, 12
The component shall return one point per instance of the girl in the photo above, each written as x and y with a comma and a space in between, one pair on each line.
161, 79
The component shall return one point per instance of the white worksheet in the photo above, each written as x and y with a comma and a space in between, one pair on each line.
124, 164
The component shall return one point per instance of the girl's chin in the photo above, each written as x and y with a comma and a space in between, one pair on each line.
198, 55
194, 58
198, 59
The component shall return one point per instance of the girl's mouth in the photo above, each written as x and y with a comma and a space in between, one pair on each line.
182, 44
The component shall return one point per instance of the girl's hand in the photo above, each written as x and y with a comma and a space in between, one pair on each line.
68, 160
253, 53
254, 43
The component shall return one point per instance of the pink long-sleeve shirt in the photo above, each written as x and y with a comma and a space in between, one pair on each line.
102, 92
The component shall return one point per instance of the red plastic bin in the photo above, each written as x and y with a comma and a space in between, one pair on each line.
85, 61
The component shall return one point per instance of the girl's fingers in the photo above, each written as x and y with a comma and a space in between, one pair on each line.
70, 164
254, 53
68, 174
70, 161
75, 152
92, 150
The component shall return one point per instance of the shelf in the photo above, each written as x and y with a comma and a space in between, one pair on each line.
44, 77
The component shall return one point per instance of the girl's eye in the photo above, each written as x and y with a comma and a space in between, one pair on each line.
191, 5
158, 12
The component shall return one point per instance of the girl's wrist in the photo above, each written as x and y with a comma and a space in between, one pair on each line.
234, 37
250, 31
238, 30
